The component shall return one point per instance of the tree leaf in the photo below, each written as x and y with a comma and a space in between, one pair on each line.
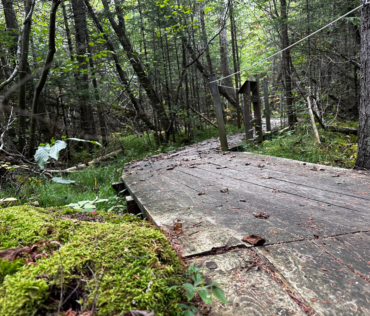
190, 290
189, 313
198, 279
86, 141
57, 147
219, 293
205, 295
62, 181
42, 156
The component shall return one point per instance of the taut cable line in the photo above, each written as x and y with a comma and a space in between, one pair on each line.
296, 43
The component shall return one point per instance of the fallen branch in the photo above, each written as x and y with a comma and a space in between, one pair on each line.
207, 119
313, 120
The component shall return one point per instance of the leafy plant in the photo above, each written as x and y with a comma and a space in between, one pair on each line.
205, 291
86, 206
44, 152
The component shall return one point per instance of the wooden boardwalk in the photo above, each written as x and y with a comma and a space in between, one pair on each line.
316, 258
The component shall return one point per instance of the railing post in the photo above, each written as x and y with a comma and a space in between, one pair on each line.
218, 109
267, 106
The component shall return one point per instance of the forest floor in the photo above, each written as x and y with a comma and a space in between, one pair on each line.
93, 185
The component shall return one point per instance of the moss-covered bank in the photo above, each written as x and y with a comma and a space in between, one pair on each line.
121, 262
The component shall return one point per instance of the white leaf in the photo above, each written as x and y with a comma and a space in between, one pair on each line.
62, 181
57, 147
42, 155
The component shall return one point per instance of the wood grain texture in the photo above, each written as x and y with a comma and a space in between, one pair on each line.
249, 292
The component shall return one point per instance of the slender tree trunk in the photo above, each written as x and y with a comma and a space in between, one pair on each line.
136, 64
224, 54
204, 39
44, 74
363, 156
22, 76
236, 63
101, 118
286, 64
119, 68
68, 32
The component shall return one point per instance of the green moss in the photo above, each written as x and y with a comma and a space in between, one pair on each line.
132, 262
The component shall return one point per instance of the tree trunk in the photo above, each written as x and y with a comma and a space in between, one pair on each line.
44, 74
205, 40
286, 64
236, 63
101, 118
81, 35
224, 54
363, 156
136, 64
22, 77
119, 68
11, 23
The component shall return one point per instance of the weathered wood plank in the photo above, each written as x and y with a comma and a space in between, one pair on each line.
349, 202
329, 287
249, 292
352, 250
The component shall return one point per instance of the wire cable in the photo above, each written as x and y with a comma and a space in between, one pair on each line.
296, 43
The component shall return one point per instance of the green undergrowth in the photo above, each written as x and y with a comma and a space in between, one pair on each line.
95, 180
336, 149
117, 264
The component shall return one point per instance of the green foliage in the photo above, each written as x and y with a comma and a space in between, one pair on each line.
132, 261
205, 292
9, 268
336, 149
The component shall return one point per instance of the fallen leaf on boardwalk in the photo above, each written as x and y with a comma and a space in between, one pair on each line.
324, 269
261, 215
221, 167
260, 166
313, 299
142, 179
242, 201
248, 163
226, 190
170, 168
177, 226
313, 169
254, 240
266, 177
133, 183
201, 193
138, 313
336, 176
276, 191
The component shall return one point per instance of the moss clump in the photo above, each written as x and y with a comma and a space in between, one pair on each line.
130, 263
